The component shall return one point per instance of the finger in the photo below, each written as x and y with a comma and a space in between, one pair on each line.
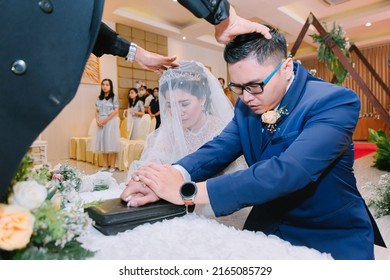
259, 28
140, 201
170, 61
131, 198
150, 182
131, 190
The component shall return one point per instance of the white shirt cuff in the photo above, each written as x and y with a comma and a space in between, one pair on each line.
183, 172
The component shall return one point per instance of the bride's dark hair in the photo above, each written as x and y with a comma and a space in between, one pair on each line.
189, 77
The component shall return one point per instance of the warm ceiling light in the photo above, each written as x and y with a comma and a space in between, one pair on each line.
368, 24
184, 37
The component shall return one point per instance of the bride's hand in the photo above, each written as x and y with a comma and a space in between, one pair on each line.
138, 194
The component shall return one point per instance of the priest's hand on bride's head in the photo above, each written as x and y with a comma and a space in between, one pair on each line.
137, 194
164, 180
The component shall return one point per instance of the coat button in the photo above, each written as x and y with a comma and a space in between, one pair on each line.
46, 6
19, 67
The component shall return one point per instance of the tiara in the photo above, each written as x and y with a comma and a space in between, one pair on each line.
186, 76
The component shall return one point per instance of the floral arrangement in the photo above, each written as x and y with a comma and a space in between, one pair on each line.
380, 196
38, 222
325, 53
272, 117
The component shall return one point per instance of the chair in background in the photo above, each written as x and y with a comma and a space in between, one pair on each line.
79, 146
144, 127
126, 127
152, 125
132, 149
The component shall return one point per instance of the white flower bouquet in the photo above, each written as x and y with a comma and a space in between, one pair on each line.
35, 224
379, 198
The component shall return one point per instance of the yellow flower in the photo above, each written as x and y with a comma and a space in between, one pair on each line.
16, 227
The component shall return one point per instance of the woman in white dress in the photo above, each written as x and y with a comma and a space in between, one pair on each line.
193, 109
106, 136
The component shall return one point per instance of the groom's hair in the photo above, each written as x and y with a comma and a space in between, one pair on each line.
255, 44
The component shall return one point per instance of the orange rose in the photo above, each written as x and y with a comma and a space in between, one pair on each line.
16, 227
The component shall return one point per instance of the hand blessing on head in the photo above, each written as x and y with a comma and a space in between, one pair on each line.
153, 61
235, 25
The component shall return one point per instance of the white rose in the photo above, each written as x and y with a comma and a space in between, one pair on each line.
28, 194
270, 117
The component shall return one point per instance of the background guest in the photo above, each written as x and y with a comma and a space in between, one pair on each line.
154, 107
134, 113
227, 91
106, 139
148, 98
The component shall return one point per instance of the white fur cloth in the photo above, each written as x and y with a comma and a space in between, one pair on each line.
193, 236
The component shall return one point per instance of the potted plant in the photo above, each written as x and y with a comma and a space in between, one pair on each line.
382, 155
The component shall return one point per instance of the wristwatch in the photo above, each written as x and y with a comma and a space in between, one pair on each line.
131, 54
188, 192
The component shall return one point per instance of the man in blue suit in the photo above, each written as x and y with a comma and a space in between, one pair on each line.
295, 132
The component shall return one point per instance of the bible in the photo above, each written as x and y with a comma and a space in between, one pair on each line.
113, 216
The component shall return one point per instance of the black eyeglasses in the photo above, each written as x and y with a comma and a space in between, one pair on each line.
253, 88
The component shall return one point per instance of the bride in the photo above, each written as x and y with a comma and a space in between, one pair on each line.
193, 110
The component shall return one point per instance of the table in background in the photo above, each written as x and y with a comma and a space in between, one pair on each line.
130, 150
363, 124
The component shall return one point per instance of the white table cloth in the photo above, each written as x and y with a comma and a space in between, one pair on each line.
193, 236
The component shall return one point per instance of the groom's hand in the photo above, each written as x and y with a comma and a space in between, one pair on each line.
164, 180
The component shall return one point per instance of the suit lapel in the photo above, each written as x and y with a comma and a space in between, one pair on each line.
289, 102
294, 93
255, 135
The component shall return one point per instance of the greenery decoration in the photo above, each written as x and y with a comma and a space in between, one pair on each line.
325, 53
382, 155
38, 222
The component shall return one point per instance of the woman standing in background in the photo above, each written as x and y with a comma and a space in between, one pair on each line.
106, 138
154, 107
135, 112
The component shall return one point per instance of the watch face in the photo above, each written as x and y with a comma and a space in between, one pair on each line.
188, 190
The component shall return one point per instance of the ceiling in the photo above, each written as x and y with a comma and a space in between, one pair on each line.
169, 18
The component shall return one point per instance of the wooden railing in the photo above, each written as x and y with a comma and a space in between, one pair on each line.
312, 20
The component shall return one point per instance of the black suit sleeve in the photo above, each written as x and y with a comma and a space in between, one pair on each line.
109, 42
214, 11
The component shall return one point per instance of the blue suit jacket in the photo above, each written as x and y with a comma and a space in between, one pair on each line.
300, 180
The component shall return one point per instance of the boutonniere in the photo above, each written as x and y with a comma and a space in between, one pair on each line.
272, 117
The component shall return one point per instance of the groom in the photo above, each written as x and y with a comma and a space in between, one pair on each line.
295, 132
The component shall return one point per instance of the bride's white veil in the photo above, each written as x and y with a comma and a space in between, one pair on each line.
171, 141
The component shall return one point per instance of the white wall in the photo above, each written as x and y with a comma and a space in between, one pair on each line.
185, 51
75, 119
